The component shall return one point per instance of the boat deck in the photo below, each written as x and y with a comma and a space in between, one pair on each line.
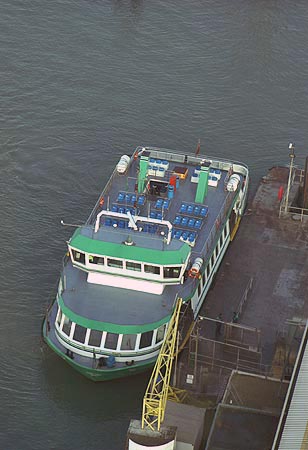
203, 222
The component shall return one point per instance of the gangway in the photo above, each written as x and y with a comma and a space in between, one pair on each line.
159, 389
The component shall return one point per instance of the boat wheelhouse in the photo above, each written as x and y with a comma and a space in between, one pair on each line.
158, 231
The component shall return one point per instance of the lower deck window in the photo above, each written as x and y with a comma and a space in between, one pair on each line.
67, 326
95, 338
79, 333
160, 333
59, 317
146, 339
78, 256
111, 341
96, 260
133, 266
172, 272
117, 263
203, 278
199, 289
152, 269
128, 342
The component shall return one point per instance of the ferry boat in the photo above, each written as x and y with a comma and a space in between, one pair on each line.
158, 232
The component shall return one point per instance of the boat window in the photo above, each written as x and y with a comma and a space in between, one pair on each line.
115, 263
128, 342
79, 333
160, 333
152, 269
146, 339
111, 341
59, 317
78, 256
212, 260
221, 241
96, 260
133, 266
95, 338
67, 326
60, 287
172, 272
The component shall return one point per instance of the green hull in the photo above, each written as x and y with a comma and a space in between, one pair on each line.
104, 374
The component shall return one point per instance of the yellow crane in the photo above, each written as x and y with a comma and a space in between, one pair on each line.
159, 389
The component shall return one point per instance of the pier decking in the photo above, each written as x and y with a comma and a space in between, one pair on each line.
270, 253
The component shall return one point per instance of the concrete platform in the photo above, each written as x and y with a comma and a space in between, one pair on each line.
273, 250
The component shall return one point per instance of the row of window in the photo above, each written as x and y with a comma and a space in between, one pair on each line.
168, 272
106, 340
210, 265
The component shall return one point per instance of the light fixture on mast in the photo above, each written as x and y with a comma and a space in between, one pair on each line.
292, 156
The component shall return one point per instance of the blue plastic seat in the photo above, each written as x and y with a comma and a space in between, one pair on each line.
141, 200
190, 209
196, 210
108, 222
183, 208
121, 224
133, 199
192, 237
153, 215
178, 234
114, 208
127, 198
185, 235
177, 220
114, 223
121, 197
184, 221
191, 223
198, 224
159, 216
121, 210
165, 204
204, 211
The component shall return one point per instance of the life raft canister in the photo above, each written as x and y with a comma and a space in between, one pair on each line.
194, 271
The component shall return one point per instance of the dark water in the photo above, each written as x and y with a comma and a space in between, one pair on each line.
82, 82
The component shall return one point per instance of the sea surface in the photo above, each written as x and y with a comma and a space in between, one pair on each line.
81, 83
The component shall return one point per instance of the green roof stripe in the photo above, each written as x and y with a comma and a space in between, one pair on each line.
109, 327
133, 253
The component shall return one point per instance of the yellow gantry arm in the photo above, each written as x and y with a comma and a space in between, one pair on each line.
155, 398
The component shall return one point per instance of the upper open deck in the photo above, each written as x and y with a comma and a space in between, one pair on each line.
157, 200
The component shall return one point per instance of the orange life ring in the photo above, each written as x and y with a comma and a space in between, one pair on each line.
101, 201
193, 273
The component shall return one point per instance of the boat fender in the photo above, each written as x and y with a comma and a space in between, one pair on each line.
130, 363
110, 361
